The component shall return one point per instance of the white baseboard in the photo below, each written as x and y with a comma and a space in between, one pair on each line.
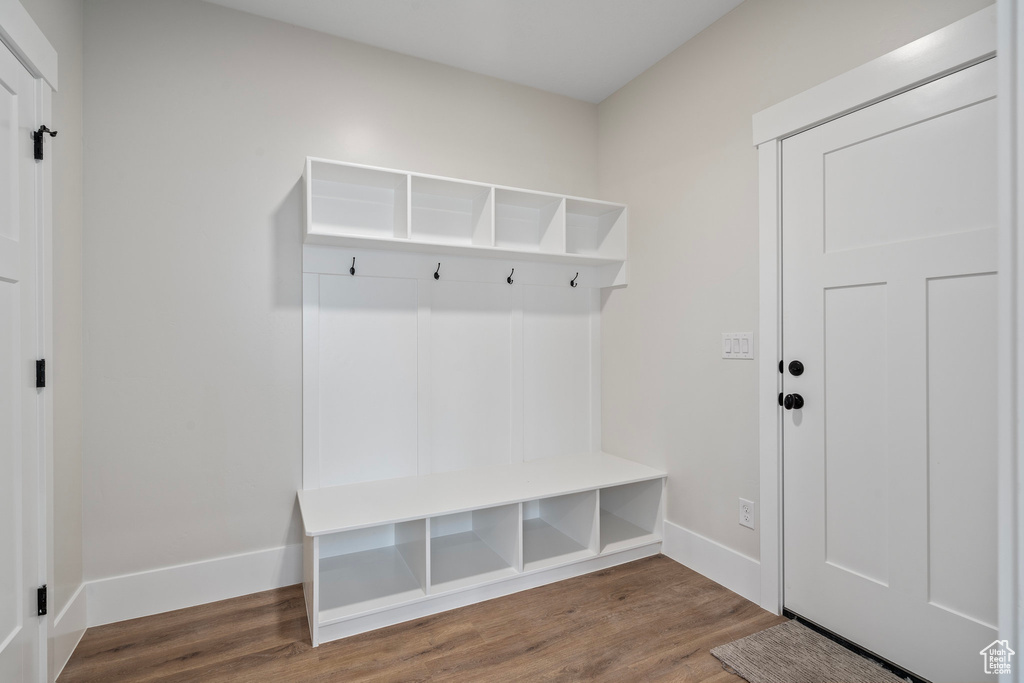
187, 585
68, 628
725, 566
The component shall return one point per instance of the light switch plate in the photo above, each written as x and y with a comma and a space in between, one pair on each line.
738, 345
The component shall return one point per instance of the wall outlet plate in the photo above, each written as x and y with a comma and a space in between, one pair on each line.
748, 509
738, 345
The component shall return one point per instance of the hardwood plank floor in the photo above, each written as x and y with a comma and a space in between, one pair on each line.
650, 620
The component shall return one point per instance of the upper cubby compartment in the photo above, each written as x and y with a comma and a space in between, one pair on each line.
343, 200
449, 212
526, 221
595, 229
350, 205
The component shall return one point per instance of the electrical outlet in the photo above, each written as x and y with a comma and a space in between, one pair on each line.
748, 509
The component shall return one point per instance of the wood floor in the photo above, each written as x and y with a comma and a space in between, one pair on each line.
650, 620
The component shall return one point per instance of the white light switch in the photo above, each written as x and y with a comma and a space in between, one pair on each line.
738, 345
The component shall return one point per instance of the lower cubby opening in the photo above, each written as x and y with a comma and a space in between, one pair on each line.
470, 548
630, 514
367, 569
559, 530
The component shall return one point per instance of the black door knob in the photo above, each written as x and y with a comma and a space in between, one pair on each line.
796, 368
793, 402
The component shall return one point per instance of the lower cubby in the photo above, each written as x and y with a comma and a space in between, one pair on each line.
471, 548
367, 569
558, 530
630, 514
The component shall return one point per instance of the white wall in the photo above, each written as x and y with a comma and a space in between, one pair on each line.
62, 23
675, 144
198, 120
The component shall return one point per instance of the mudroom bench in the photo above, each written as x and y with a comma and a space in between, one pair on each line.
382, 552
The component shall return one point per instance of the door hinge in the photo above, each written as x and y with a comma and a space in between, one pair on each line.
41, 599
37, 138
40, 374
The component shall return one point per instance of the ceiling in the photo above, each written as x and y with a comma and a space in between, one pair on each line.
586, 49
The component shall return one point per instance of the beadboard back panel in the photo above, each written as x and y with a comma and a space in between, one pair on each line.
405, 374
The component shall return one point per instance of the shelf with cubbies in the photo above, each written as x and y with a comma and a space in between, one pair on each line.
382, 552
361, 206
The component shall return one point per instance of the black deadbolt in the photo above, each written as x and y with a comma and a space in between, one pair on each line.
796, 368
793, 402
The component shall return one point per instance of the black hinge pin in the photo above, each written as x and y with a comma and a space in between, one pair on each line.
37, 138
40, 374
41, 599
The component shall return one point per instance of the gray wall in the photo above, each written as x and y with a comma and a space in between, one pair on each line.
675, 144
199, 119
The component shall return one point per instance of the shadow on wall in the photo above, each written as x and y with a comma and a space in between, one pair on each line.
286, 233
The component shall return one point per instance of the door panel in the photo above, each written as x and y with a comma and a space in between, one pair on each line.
20, 530
856, 529
889, 301
962, 446
902, 186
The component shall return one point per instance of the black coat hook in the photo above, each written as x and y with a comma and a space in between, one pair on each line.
509, 278
437, 273
352, 269
572, 282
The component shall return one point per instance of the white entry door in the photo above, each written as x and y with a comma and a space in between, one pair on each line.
889, 302
21, 644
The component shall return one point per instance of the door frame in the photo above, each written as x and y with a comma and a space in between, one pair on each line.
962, 44
20, 34
1010, 106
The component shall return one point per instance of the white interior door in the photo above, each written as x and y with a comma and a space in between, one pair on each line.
21, 569
889, 301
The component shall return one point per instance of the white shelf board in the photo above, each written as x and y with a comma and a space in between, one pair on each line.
618, 534
476, 250
463, 559
546, 546
355, 506
363, 582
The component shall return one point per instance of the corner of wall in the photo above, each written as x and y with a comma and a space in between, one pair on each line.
67, 631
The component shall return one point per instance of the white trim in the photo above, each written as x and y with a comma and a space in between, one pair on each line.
19, 33
968, 41
959, 45
161, 590
724, 566
1011, 318
68, 628
44, 276
769, 385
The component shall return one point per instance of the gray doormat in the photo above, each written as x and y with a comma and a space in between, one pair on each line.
793, 653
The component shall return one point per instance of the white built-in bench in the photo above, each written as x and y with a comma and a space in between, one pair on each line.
382, 552
451, 369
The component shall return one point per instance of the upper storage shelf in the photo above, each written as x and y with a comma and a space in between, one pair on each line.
362, 206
